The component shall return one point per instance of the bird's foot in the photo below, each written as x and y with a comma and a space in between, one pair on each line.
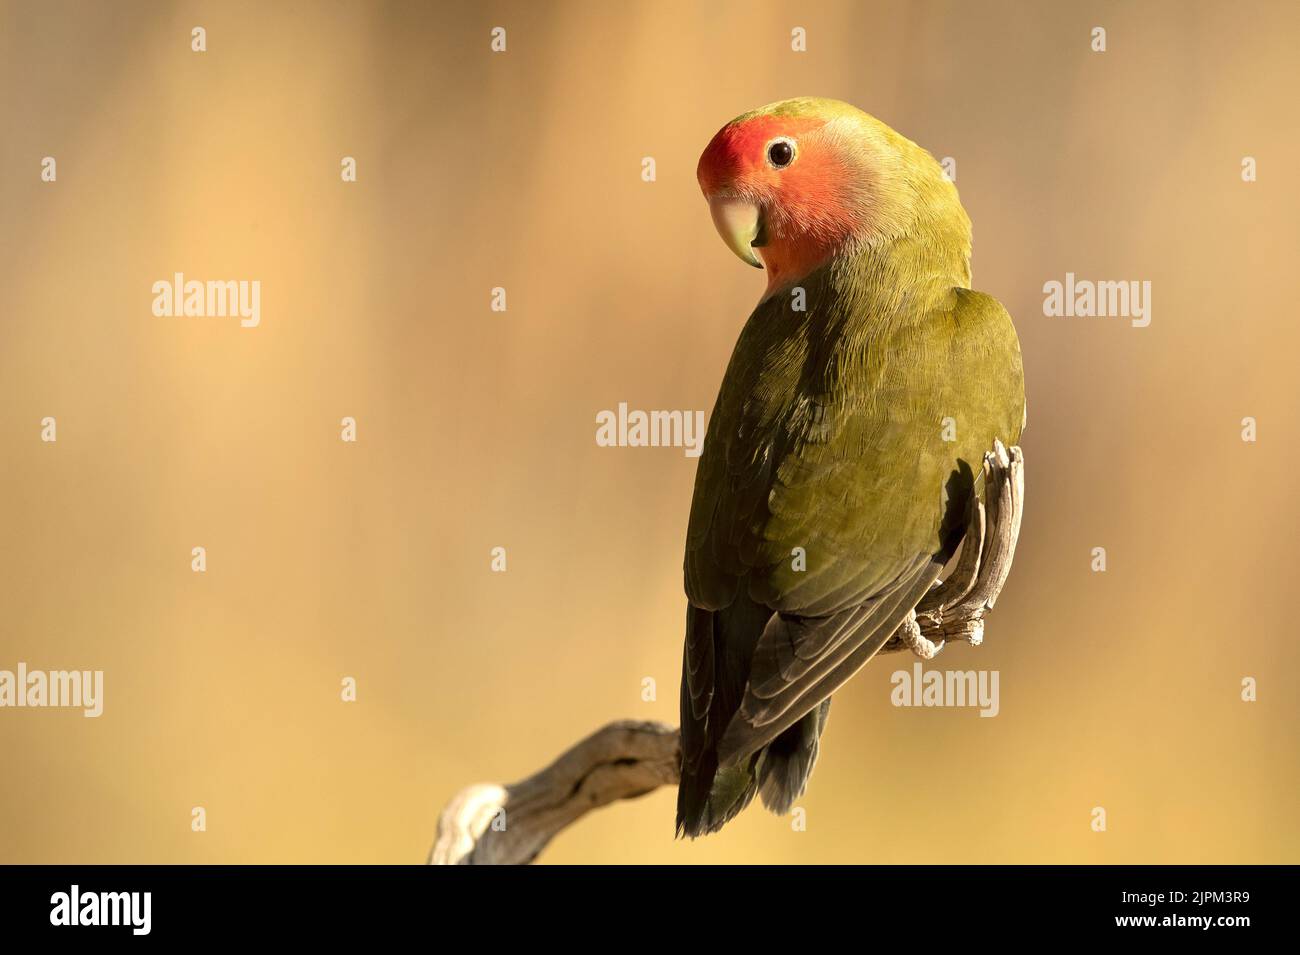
955, 608
910, 636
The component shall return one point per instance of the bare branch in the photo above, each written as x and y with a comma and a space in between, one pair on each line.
490, 824
486, 824
956, 607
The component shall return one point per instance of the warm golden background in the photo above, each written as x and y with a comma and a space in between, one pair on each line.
476, 429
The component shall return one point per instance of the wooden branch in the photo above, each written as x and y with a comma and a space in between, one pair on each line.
487, 824
955, 608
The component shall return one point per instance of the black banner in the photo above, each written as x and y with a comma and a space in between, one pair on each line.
204, 904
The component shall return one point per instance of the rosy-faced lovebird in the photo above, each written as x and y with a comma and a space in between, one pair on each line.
846, 441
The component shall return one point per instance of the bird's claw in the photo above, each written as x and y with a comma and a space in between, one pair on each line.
956, 606
910, 635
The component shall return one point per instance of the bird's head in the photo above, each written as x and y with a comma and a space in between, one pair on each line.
795, 183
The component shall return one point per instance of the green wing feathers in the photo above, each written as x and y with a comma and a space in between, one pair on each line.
839, 459
838, 443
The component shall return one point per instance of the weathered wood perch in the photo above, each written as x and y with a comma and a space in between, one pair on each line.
487, 824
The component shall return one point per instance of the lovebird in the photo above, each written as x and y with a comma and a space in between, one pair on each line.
847, 438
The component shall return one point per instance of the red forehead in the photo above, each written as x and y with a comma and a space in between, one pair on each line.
738, 147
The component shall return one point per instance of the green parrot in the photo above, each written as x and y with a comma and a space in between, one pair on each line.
847, 438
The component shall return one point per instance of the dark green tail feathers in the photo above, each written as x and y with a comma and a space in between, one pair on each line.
708, 798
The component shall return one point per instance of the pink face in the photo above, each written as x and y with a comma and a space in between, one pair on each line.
790, 179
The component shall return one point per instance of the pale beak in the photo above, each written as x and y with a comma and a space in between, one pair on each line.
739, 223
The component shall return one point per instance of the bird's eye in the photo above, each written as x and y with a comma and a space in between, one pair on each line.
780, 153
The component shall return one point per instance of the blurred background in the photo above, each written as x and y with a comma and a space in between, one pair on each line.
476, 428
